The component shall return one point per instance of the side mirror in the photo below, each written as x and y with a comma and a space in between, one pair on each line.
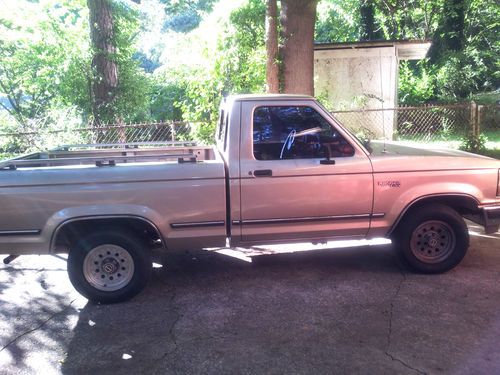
327, 160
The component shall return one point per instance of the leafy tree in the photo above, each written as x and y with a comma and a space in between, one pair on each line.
465, 50
185, 15
241, 53
236, 64
449, 35
131, 101
46, 63
118, 85
417, 82
407, 19
337, 21
469, 61
43, 48
166, 94
368, 27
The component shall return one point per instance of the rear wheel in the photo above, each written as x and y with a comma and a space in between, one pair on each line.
432, 239
109, 266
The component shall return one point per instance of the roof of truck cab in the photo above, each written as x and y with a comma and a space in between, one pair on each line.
267, 96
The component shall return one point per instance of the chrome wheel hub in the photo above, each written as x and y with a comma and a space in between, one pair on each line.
108, 267
432, 241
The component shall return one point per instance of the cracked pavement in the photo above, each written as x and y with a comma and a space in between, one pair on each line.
352, 310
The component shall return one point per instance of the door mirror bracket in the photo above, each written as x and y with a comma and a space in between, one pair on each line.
327, 153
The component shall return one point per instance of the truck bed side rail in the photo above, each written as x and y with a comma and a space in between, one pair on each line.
110, 155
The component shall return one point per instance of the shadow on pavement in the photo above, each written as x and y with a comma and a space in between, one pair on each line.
348, 310
206, 312
34, 316
340, 311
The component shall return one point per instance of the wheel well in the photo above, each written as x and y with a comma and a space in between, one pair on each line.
463, 204
68, 233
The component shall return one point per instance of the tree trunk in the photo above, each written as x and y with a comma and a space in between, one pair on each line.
368, 28
297, 54
272, 64
454, 23
104, 68
449, 35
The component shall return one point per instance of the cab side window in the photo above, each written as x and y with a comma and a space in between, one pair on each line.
289, 132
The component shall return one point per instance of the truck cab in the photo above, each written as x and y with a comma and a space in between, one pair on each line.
289, 151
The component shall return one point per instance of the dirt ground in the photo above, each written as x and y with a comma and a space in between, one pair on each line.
347, 310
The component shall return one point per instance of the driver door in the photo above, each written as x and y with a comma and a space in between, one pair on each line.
302, 178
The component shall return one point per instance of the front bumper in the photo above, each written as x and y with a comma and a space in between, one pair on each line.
491, 215
488, 217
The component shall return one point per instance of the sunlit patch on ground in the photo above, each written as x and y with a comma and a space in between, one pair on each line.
478, 231
246, 254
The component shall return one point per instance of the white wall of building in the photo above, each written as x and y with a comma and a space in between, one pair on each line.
359, 78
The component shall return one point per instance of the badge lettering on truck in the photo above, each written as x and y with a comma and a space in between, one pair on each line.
391, 184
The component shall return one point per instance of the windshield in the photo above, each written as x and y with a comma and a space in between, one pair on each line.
361, 140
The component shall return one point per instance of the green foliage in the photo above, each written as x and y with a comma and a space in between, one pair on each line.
476, 67
235, 64
488, 98
337, 21
417, 82
43, 50
46, 62
185, 15
200, 50
166, 94
242, 55
200, 106
465, 55
474, 143
465, 52
53, 128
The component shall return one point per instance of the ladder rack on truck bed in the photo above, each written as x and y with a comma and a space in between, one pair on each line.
111, 154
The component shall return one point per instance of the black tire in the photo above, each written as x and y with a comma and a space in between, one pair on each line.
109, 266
432, 239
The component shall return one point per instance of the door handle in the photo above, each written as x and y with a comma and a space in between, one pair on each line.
263, 173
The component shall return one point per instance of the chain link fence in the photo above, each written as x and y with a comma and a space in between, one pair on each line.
424, 124
447, 124
489, 119
419, 124
17, 143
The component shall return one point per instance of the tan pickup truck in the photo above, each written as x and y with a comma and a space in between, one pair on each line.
283, 170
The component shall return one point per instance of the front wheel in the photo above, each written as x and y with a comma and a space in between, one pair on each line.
109, 267
432, 239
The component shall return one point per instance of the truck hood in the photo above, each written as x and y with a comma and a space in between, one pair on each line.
392, 156
394, 148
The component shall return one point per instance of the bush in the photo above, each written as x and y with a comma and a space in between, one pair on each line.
474, 143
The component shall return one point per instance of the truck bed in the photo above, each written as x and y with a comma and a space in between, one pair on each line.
167, 186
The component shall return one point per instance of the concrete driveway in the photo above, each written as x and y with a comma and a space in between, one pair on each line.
354, 310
